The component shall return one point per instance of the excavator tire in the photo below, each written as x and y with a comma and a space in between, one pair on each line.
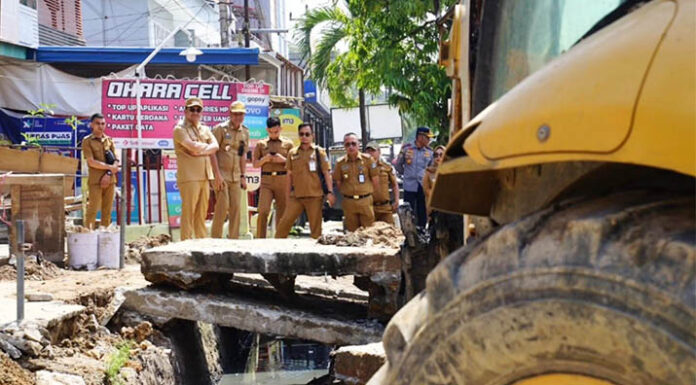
601, 290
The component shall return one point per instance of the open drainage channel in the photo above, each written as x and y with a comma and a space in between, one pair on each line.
278, 361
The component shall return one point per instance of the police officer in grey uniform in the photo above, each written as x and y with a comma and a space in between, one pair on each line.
411, 164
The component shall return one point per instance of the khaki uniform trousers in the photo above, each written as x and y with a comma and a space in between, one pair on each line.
357, 213
384, 214
276, 189
194, 208
99, 199
295, 206
227, 202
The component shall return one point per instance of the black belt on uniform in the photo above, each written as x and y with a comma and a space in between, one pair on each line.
274, 173
356, 197
381, 203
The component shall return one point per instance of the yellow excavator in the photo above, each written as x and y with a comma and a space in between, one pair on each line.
581, 153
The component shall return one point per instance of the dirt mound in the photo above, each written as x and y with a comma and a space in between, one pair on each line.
33, 271
135, 249
13, 374
380, 234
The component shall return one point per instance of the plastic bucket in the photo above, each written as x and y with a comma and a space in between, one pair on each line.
82, 250
108, 255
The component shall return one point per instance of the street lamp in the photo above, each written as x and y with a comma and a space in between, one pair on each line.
191, 53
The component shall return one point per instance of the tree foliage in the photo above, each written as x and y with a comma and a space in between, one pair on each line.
389, 44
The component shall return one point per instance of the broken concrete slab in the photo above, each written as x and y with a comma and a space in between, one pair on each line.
45, 314
38, 297
254, 315
339, 288
279, 256
355, 365
194, 263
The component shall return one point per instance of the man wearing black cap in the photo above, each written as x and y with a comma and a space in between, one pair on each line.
411, 164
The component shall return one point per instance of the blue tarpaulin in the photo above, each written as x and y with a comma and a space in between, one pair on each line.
10, 127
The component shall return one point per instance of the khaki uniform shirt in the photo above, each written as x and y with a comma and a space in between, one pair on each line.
192, 168
356, 175
303, 165
230, 141
281, 146
429, 179
386, 180
93, 148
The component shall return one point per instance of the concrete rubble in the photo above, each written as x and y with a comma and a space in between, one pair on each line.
241, 312
195, 263
355, 365
44, 377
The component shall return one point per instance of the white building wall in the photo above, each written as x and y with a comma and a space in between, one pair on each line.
138, 23
116, 23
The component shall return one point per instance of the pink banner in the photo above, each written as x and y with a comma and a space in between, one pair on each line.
162, 106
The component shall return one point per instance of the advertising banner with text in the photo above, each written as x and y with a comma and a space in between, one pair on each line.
162, 107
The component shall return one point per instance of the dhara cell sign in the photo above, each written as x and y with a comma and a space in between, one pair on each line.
162, 107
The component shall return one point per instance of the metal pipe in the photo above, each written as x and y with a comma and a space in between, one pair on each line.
128, 190
149, 195
141, 191
139, 180
19, 232
159, 188
247, 37
122, 217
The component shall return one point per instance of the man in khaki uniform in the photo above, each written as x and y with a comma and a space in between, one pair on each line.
383, 207
229, 165
357, 176
193, 144
102, 174
303, 190
270, 155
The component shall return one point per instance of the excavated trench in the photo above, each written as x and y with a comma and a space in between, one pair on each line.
218, 334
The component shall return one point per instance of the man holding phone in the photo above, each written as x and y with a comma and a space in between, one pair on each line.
100, 154
270, 155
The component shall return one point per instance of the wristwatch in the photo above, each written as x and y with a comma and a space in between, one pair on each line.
108, 172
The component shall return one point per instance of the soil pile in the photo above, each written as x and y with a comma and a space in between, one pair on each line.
86, 348
34, 270
13, 374
380, 234
136, 248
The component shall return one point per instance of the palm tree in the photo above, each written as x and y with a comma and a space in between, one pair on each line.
330, 69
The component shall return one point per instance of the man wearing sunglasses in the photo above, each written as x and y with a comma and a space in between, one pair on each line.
357, 177
193, 144
270, 155
411, 164
229, 166
304, 191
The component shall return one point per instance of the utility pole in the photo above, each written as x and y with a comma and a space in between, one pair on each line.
363, 119
224, 25
247, 69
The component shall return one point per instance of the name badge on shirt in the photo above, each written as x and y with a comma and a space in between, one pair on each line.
312, 165
361, 178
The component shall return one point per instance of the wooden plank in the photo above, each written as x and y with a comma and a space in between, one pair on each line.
18, 160
33, 179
